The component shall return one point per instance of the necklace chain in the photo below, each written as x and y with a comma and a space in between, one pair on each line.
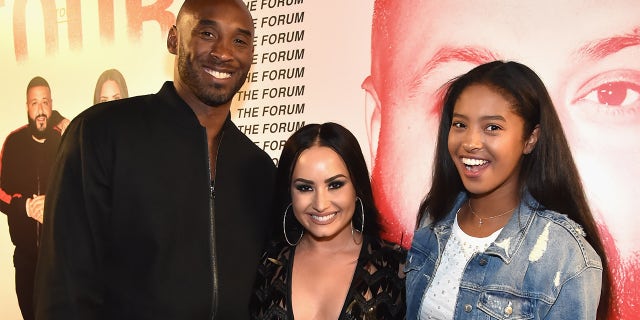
488, 218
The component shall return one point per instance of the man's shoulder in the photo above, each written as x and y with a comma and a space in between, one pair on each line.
17, 134
163, 104
106, 109
119, 115
244, 145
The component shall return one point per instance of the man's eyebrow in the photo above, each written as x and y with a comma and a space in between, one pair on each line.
246, 32
207, 22
474, 55
601, 48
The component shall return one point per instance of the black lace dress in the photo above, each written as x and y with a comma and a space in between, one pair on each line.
377, 289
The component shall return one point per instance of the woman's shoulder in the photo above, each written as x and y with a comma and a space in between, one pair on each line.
377, 244
277, 252
559, 228
385, 253
380, 270
271, 283
560, 224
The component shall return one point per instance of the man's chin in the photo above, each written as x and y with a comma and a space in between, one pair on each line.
216, 101
40, 132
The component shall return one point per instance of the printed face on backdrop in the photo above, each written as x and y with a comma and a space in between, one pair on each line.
39, 110
322, 194
214, 45
585, 52
110, 91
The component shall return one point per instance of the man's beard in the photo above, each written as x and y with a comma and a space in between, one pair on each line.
39, 133
210, 96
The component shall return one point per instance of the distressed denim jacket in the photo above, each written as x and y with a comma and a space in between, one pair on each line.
539, 267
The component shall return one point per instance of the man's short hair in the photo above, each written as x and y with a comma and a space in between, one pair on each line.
38, 82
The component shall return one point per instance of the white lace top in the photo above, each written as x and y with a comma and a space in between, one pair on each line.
440, 298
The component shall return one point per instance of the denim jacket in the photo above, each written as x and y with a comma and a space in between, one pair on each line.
539, 267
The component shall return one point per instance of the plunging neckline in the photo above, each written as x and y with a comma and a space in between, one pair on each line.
345, 305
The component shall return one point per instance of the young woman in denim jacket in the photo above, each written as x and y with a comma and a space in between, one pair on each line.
505, 231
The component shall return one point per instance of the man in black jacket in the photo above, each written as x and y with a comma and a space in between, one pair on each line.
26, 159
158, 204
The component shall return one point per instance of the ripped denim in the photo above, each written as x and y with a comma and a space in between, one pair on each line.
539, 267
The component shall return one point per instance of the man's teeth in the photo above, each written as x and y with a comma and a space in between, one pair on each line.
473, 162
219, 75
323, 218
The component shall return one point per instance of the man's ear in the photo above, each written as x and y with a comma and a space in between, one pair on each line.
532, 140
372, 116
172, 40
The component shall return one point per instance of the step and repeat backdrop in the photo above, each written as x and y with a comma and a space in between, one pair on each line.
377, 68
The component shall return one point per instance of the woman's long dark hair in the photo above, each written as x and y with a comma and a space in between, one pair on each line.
548, 172
345, 144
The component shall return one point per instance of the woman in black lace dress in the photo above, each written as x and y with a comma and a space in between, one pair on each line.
327, 260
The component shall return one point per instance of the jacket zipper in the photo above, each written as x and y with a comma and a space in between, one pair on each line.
212, 224
38, 223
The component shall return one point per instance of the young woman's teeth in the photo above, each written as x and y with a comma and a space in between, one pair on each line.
323, 218
473, 162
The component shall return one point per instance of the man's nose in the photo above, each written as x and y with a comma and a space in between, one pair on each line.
221, 51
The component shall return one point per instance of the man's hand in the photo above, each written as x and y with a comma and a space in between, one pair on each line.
35, 207
62, 125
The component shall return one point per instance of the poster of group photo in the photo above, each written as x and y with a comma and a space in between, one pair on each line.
380, 68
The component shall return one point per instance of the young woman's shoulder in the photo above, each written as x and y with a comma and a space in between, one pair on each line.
565, 235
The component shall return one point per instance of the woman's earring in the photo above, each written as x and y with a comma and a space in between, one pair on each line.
284, 228
362, 224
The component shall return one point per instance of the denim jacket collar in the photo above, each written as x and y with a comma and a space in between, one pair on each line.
512, 235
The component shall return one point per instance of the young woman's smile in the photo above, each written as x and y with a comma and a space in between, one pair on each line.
487, 140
